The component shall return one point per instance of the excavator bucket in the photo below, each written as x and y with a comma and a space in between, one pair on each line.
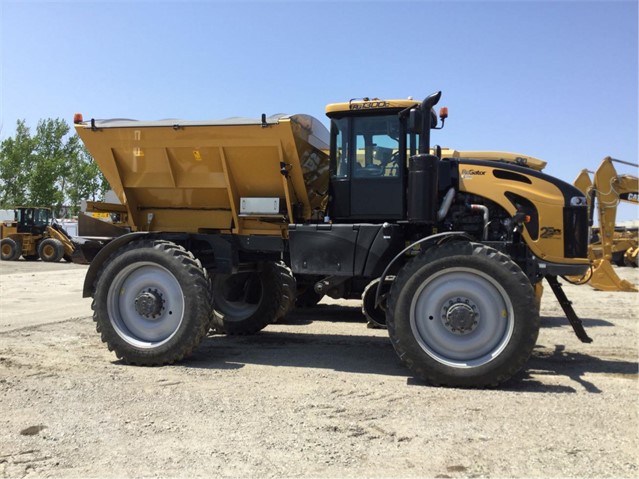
608, 189
605, 278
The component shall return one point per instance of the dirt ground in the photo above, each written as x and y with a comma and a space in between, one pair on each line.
317, 396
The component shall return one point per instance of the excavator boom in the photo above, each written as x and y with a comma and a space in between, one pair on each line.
607, 190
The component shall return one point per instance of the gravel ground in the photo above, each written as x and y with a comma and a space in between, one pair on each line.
317, 396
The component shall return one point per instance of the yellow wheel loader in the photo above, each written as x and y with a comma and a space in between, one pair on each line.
34, 234
609, 245
630, 256
228, 217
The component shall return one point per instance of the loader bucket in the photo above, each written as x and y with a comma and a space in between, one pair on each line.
86, 249
604, 278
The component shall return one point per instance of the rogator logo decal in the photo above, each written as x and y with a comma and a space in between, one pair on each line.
468, 174
550, 232
474, 172
369, 105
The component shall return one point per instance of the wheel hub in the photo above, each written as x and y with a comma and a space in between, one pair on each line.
149, 304
460, 315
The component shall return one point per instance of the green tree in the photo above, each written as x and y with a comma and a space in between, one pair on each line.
53, 160
51, 168
16, 161
85, 181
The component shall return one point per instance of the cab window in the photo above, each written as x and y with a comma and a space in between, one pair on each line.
377, 146
368, 146
340, 143
41, 217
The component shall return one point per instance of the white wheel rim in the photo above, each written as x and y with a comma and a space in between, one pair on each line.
468, 298
130, 284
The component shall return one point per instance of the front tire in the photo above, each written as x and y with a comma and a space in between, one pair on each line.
463, 314
51, 250
152, 303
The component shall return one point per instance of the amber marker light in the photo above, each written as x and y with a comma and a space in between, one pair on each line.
443, 112
77, 118
527, 219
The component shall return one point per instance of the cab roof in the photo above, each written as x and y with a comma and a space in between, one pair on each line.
367, 104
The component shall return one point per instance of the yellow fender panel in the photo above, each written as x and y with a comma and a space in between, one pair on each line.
549, 242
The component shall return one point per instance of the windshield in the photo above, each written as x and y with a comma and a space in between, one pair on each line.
42, 217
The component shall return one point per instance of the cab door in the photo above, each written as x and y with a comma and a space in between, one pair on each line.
377, 181
340, 184
368, 168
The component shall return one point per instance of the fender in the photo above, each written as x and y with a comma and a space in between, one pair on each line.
102, 256
428, 242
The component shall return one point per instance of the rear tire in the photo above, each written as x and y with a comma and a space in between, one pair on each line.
617, 258
289, 291
247, 302
51, 250
152, 303
462, 314
10, 249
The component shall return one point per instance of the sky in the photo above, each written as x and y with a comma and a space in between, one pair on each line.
557, 80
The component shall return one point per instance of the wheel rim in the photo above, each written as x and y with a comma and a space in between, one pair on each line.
237, 296
145, 304
462, 317
48, 251
6, 250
